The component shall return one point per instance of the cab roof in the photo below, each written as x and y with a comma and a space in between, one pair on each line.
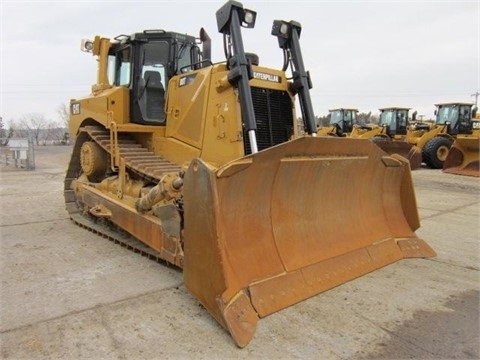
394, 108
454, 103
153, 34
345, 109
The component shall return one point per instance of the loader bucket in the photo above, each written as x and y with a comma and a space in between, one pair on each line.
327, 130
464, 156
410, 152
277, 227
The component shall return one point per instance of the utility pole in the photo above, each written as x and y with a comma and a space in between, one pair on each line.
476, 97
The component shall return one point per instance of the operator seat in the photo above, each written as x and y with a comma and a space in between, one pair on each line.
155, 96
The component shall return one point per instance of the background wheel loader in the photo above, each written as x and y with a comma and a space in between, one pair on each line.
200, 165
341, 122
464, 156
390, 134
435, 138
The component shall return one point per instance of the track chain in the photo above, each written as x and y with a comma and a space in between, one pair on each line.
137, 159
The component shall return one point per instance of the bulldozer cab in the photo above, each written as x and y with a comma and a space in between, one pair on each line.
343, 120
144, 62
394, 120
457, 117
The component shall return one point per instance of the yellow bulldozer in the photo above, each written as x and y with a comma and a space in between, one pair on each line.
199, 164
463, 158
435, 139
341, 122
390, 134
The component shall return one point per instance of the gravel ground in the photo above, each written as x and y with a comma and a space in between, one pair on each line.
67, 293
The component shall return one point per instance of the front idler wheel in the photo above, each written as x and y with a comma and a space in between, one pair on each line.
93, 160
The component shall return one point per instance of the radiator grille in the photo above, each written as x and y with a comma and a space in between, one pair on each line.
274, 117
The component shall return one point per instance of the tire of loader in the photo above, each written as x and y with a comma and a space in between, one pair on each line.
435, 152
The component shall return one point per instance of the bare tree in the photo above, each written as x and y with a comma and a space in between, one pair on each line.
18, 130
63, 114
4, 134
322, 121
365, 118
52, 133
33, 123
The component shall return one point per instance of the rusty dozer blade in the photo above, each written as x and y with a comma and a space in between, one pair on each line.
274, 228
410, 152
464, 156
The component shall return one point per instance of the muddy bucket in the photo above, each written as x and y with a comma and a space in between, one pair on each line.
464, 157
410, 152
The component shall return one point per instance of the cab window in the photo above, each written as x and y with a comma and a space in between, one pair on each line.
119, 67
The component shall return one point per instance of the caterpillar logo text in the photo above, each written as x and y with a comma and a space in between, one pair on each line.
266, 77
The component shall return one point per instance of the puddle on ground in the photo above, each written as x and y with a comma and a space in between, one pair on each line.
453, 334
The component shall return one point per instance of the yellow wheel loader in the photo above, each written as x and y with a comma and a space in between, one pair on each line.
435, 139
341, 122
464, 155
199, 164
390, 134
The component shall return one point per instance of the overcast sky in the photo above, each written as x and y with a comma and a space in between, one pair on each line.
361, 54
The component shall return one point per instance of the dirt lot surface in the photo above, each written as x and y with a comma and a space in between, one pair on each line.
67, 293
